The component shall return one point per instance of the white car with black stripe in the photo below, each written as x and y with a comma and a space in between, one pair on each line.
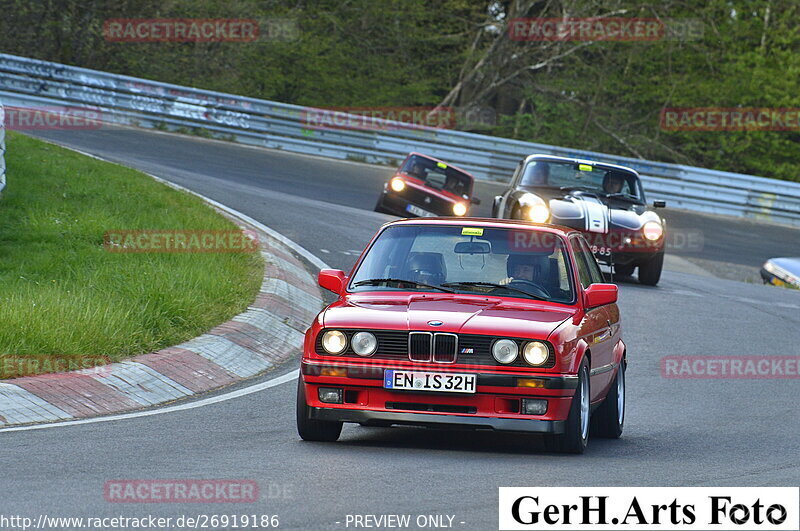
604, 201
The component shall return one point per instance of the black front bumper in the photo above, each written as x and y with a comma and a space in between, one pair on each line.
634, 258
432, 420
396, 204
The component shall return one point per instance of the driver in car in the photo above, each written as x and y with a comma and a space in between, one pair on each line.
417, 171
537, 175
426, 267
454, 185
613, 183
522, 267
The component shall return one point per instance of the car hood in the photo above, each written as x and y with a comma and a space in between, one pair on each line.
592, 213
458, 314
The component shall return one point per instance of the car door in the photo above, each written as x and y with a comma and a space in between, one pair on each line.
596, 328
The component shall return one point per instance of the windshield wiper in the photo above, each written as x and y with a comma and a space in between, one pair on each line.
372, 281
493, 285
576, 188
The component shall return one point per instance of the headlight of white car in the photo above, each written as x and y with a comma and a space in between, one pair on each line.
652, 230
537, 208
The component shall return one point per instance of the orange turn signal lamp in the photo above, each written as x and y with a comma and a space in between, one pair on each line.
530, 382
333, 371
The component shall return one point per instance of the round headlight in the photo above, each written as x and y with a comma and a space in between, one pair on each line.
505, 351
652, 230
364, 343
459, 209
539, 213
334, 342
397, 185
536, 353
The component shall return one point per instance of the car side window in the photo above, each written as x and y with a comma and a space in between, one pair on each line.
583, 267
591, 262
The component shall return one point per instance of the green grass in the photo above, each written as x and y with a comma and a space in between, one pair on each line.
63, 296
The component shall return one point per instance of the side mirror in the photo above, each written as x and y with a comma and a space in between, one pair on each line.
659, 204
601, 294
332, 280
475, 201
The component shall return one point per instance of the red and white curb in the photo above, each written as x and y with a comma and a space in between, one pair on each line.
268, 333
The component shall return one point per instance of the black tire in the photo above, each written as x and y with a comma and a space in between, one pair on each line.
650, 271
313, 430
379, 206
609, 419
576, 429
624, 270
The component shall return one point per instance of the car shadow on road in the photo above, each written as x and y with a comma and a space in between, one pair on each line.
413, 438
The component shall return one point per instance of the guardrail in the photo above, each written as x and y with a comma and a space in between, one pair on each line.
127, 100
2, 147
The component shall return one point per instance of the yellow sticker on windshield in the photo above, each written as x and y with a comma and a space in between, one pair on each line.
472, 231
442, 165
585, 167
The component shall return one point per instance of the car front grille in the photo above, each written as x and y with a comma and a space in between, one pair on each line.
418, 197
471, 349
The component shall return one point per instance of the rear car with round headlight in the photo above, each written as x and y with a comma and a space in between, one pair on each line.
424, 186
467, 324
604, 201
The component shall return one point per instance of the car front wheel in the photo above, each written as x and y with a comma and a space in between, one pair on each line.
379, 206
650, 271
608, 419
576, 429
624, 270
310, 429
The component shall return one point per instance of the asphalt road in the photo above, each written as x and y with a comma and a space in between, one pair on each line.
679, 432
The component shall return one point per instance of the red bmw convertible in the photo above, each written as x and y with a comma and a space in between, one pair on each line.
469, 323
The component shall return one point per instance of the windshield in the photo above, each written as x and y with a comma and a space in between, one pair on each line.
571, 175
501, 262
438, 175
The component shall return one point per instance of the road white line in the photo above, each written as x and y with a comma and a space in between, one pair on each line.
170, 409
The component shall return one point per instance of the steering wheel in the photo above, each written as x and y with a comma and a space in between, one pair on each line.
527, 283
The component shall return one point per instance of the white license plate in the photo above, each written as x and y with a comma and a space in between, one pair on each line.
601, 251
417, 211
429, 381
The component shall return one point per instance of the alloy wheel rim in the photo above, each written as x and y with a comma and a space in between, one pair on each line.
585, 406
621, 395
